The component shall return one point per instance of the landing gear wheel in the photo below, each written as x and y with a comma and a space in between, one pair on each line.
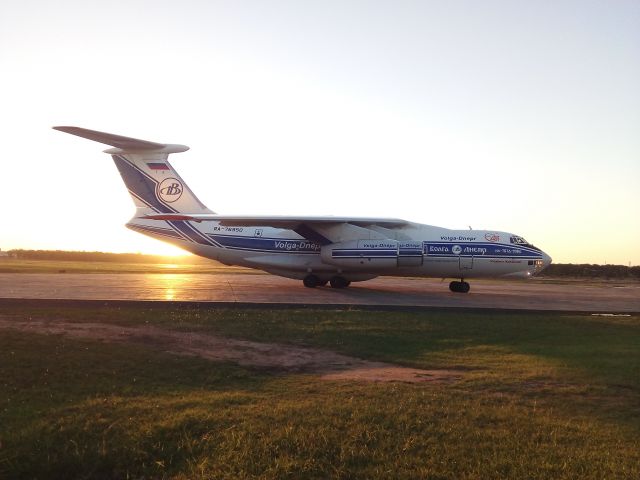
311, 281
339, 282
459, 287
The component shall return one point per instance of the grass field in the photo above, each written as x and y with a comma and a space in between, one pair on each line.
542, 396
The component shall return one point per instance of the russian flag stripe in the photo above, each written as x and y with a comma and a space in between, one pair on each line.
158, 166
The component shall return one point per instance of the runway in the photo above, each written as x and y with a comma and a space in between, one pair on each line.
593, 297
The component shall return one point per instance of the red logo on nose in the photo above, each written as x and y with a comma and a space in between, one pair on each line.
492, 237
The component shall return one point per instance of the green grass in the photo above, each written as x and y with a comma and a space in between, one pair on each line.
542, 396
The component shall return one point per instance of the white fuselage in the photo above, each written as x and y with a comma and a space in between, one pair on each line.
415, 250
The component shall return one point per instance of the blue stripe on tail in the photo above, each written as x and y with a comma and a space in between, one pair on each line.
143, 187
141, 184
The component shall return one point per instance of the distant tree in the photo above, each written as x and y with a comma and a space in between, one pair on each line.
74, 256
590, 271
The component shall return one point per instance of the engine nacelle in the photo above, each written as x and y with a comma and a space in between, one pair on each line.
373, 254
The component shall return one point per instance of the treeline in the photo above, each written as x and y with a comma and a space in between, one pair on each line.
554, 270
586, 270
67, 256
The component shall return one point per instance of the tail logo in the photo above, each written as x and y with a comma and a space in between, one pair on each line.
170, 190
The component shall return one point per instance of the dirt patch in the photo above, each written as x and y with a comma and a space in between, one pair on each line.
272, 356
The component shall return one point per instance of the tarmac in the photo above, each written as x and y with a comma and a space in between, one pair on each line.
383, 292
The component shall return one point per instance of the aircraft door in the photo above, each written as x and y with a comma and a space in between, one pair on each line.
410, 254
466, 263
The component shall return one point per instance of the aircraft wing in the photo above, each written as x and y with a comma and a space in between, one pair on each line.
277, 221
305, 226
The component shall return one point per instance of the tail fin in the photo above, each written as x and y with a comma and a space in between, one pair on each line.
152, 182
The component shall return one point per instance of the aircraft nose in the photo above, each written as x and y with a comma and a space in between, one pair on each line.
546, 259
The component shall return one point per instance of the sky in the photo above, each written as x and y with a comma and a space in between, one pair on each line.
516, 116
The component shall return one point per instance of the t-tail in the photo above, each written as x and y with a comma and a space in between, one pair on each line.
153, 183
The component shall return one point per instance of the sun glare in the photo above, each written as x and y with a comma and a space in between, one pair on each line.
171, 285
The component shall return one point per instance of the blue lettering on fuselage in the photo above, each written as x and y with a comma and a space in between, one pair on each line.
295, 246
461, 238
378, 245
477, 249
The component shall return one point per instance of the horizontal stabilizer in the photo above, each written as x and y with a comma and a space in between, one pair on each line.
126, 144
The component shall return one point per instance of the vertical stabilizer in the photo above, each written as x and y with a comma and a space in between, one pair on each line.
154, 184
152, 181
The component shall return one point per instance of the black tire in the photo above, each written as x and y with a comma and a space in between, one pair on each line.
459, 287
311, 281
339, 282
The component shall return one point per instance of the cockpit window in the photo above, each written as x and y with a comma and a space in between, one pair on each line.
519, 240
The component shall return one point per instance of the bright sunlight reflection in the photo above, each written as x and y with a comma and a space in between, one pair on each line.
172, 286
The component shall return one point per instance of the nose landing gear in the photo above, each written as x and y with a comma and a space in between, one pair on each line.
460, 287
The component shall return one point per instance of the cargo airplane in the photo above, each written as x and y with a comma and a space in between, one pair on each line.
316, 250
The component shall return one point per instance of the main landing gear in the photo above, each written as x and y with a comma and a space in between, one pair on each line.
313, 281
339, 282
459, 287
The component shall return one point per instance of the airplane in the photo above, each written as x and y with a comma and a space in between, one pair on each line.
316, 250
